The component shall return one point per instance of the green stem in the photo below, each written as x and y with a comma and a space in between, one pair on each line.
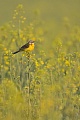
29, 86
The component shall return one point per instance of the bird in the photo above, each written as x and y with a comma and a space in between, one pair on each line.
29, 46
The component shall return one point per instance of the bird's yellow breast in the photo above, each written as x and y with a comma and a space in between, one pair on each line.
30, 48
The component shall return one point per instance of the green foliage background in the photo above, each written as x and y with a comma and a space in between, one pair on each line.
52, 89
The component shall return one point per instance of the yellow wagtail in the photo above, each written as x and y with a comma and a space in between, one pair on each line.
27, 47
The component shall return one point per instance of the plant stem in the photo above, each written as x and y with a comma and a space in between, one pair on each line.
29, 104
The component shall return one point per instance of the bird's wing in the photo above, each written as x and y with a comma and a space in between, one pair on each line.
24, 47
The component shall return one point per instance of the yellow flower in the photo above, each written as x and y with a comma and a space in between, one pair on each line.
67, 63
23, 54
41, 62
5, 48
63, 70
22, 21
24, 38
7, 63
6, 52
24, 18
13, 40
48, 65
20, 6
37, 64
5, 57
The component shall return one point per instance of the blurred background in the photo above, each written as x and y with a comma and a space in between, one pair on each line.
52, 13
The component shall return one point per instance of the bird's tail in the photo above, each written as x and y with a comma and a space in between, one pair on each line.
16, 52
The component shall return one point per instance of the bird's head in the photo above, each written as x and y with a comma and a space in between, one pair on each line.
31, 42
